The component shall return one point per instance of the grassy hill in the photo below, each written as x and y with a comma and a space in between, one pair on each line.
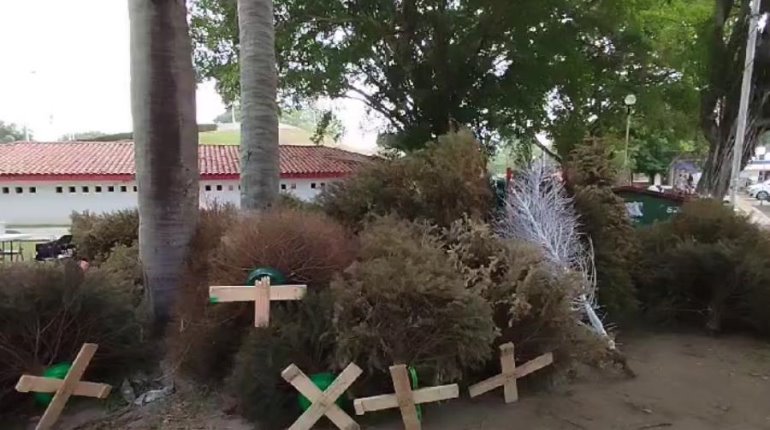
287, 135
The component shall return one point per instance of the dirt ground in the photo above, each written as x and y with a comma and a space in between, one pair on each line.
685, 381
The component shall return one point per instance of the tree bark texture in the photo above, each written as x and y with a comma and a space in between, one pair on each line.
721, 96
165, 144
260, 170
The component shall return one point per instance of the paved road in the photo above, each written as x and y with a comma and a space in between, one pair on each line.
749, 206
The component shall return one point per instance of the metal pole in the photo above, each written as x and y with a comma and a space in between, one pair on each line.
628, 138
743, 108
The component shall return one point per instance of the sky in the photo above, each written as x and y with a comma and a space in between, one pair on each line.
66, 70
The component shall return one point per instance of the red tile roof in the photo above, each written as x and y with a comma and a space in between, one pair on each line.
87, 160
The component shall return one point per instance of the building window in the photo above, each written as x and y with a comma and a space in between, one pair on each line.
230, 187
135, 188
207, 188
283, 186
32, 190
98, 189
219, 188
239, 187
84, 189
323, 184
59, 190
72, 189
6, 190
312, 185
19, 190
293, 186
123, 188
110, 189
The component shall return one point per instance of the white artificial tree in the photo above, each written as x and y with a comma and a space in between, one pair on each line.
538, 211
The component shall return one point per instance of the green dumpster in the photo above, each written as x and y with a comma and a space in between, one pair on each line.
645, 207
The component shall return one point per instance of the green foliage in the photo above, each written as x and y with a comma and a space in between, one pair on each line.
706, 265
299, 333
653, 152
10, 132
48, 310
404, 302
440, 183
606, 223
584, 56
95, 235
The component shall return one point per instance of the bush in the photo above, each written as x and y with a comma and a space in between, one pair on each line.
532, 302
440, 184
706, 265
95, 235
308, 247
605, 221
299, 333
404, 302
48, 310
123, 266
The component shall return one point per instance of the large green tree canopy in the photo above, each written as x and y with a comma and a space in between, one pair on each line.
506, 70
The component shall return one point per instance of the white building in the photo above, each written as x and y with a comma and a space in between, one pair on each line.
43, 183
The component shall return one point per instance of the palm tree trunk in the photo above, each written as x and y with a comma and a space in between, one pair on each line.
166, 144
260, 172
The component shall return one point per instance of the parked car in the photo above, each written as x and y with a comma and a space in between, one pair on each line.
761, 190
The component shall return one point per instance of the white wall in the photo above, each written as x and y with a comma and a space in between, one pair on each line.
51, 203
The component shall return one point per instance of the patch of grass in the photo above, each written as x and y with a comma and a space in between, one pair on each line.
223, 137
286, 136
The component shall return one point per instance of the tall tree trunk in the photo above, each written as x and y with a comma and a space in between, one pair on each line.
260, 172
166, 144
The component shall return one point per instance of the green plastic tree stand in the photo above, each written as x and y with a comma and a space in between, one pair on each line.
57, 371
322, 381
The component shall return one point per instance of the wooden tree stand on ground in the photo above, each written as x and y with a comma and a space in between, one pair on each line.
322, 402
404, 398
64, 388
510, 373
262, 293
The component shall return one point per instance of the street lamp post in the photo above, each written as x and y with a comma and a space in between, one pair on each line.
629, 101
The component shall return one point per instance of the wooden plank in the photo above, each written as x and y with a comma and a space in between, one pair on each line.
40, 384
375, 403
488, 384
262, 303
519, 372
435, 394
508, 367
534, 365
64, 392
288, 292
335, 390
404, 397
423, 395
323, 403
236, 293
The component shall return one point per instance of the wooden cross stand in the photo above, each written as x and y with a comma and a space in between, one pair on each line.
404, 398
323, 402
63, 389
261, 294
510, 373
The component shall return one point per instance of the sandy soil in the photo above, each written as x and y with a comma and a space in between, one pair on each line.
685, 381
